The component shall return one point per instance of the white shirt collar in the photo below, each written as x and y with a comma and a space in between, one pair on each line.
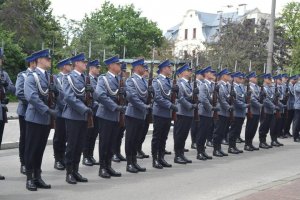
92, 75
185, 79
42, 70
77, 72
163, 75
111, 74
208, 81
138, 75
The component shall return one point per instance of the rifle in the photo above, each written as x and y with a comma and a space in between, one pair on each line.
88, 97
3, 98
51, 88
231, 100
195, 99
248, 100
215, 98
150, 95
121, 100
261, 100
276, 101
286, 98
174, 94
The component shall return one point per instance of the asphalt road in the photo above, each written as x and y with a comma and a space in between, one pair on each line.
221, 178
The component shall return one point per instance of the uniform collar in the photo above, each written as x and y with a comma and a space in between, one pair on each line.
185, 80
138, 75
111, 74
163, 75
77, 72
207, 81
42, 70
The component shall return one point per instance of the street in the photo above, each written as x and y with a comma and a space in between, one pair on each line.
230, 177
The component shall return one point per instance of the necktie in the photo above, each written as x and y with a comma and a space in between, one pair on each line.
168, 80
82, 77
46, 75
144, 82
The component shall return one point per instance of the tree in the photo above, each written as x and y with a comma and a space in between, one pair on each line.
290, 23
113, 28
245, 42
32, 22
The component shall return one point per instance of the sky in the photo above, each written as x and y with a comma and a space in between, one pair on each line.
167, 13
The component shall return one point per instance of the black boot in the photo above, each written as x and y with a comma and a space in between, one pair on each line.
168, 152
77, 176
94, 160
264, 145
193, 145
69, 176
141, 152
130, 166
200, 156
121, 157
136, 165
103, 171
59, 165
87, 161
274, 144
178, 158
2, 177
248, 148
207, 156
155, 162
139, 155
110, 170
39, 182
23, 169
185, 158
254, 147
232, 150
115, 158
162, 161
30, 185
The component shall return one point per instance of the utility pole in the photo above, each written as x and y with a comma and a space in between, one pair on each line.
271, 38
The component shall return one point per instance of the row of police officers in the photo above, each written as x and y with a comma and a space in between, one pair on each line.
222, 101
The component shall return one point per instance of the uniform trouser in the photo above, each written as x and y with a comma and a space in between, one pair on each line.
251, 128
265, 125
76, 132
205, 125
133, 132
181, 131
22, 139
143, 135
108, 131
276, 127
288, 122
210, 135
235, 130
226, 133
2, 124
194, 131
161, 128
59, 139
35, 144
222, 125
118, 140
90, 140
296, 124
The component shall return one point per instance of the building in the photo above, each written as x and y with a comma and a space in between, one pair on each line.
197, 28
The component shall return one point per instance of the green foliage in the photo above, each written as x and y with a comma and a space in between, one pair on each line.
111, 28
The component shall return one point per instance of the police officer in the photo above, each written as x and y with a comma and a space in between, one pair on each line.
37, 118
256, 105
75, 114
239, 112
6, 86
195, 125
296, 122
137, 94
223, 121
60, 135
140, 153
22, 106
206, 110
290, 107
162, 108
90, 140
268, 115
117, 156
185, 113
277, 122
108, 114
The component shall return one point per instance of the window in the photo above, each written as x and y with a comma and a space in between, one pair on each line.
186, 34
194, 33
185, 54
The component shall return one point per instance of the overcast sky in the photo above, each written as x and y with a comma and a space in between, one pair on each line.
166, 13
